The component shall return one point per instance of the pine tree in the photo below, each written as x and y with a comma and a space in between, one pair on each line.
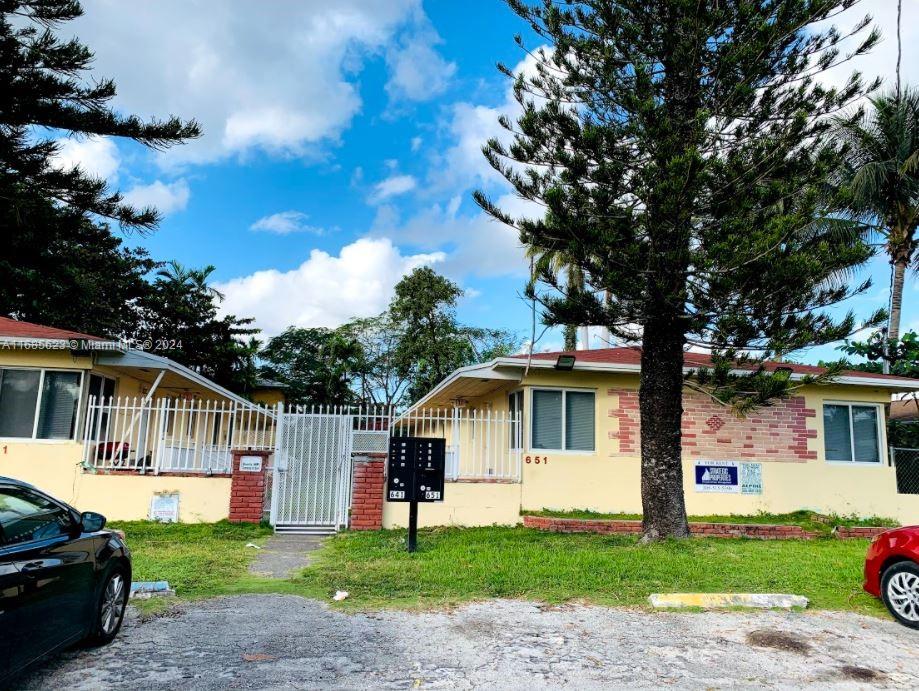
681, 150
43, 89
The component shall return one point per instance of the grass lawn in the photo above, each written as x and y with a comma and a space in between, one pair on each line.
198, 559
454, 565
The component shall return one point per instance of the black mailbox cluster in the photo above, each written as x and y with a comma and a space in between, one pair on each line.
416, 469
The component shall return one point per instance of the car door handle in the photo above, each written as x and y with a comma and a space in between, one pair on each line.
31, 566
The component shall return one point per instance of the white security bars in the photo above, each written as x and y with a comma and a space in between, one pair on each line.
481, 444
172, 435
175, 435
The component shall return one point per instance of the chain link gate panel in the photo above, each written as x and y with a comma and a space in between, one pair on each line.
312, 474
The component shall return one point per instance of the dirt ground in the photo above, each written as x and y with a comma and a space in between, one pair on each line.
287, 642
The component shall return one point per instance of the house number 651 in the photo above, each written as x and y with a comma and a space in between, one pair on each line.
536, 459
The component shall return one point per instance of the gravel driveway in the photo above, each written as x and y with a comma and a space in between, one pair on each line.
275, 641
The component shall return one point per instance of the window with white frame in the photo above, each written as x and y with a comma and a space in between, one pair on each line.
38, 403
851, 433
562, 420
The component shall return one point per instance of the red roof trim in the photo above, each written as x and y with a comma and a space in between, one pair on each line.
632, 356
12, 328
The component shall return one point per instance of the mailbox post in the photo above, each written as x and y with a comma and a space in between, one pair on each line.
415, 474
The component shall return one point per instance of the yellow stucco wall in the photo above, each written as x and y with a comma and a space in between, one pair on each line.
606, 480
54, 467
268, 396
465, 503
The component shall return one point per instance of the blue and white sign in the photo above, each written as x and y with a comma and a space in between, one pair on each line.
729, 477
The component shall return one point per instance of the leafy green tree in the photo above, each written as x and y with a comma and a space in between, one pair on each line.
880, 183
179, 320
433, 343
58, 264
380, 379
320, 366
66, 270
553, 264
681, 150
902, 359
42, 79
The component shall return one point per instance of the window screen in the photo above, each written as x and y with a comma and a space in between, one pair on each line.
18, 394
836, 432
579, 421
58, 414
547, 419
865, 433
851, 433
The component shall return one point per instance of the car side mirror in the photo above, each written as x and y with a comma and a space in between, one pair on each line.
91, 522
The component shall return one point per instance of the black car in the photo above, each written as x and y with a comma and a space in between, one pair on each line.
63, 578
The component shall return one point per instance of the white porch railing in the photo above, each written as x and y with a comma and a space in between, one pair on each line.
481, 444
172, 434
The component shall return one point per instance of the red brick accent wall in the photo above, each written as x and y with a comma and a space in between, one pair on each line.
247, 489
367, 492
710, 431
750, 530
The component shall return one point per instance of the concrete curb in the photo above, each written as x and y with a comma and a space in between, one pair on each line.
724, 600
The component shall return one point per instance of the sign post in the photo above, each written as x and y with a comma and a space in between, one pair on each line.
415, 474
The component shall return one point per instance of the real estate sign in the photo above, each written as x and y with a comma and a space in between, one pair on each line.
729, 477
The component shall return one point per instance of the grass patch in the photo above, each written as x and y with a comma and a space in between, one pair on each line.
809, 520
198, 559
454, 565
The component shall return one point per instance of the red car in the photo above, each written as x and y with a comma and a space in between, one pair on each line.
892, 573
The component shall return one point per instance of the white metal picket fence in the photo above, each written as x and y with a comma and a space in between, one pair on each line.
172, 435
311, 468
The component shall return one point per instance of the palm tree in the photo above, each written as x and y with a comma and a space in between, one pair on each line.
555, 262
881, 183
179, 275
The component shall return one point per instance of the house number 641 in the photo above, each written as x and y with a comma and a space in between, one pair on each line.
536, 459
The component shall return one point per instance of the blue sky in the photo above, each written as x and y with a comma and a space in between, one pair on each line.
341, 146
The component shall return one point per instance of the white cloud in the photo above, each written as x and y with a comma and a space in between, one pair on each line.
284, 223
97, 156
470, 126
475, 245
418, 73
392, 187
416, 143
165, 197
278, 77
325, 290
882, 60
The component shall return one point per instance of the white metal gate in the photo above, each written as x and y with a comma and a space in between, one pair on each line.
311, 481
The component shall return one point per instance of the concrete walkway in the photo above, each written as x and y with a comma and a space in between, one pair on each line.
284, 555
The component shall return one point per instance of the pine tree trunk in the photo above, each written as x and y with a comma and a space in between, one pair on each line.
896, 298
661, 409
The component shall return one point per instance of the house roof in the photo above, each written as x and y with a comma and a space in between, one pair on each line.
20, 331
632, 356
904, 409
488, 376
110, 353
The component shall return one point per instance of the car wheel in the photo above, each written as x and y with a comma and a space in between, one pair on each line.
900, 592
110, 609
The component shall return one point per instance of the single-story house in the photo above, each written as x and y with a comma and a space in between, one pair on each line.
561, 431
111, 427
